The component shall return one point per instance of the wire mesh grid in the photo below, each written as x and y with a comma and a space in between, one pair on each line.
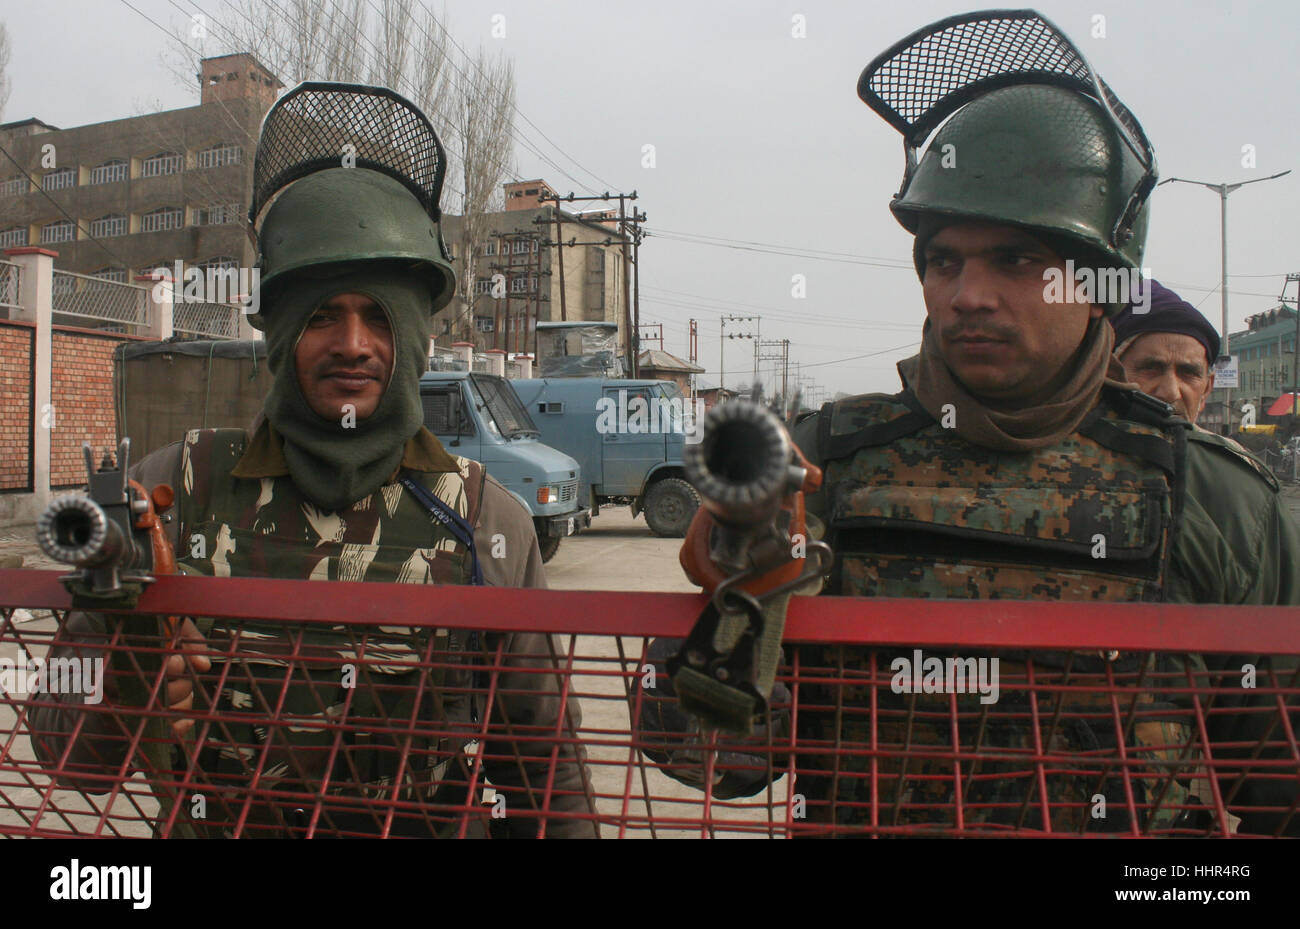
206, 320
923, 78
318, 728
320, 125
10, 282
103, 300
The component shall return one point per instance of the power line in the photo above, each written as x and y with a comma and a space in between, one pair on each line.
794, 248
774, 250
883, 351
606, 184
801, 318
66, 215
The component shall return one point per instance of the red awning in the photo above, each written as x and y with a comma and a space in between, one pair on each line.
1283, 405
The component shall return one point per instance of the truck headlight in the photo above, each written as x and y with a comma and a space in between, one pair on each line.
547, 494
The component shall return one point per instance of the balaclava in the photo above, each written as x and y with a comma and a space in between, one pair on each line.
335, 466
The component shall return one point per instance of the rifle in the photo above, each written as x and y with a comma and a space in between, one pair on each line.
747, 544
113, 533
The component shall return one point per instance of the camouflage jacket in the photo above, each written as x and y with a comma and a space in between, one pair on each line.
1228, 536
310, 544
1233, 542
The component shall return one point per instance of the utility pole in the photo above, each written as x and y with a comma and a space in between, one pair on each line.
722, 344
693, 352
636, 283
629, 237
1223, 190
645, 337
559, 254
1295, 344
781, 353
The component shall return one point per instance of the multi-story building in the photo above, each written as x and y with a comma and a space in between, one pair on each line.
517, 273
122, 197
1266, 362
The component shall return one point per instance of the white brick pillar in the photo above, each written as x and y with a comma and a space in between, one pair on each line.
159, 302
496, 361
525, 363
35, 294
465, 352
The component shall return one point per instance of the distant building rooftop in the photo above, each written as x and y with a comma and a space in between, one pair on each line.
664, 361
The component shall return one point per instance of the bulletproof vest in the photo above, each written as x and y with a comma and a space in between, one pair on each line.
233, 527
914, 510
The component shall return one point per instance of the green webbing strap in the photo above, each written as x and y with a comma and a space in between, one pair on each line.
723, 705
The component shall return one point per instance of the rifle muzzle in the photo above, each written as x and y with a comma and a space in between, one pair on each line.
742, 465
75, 530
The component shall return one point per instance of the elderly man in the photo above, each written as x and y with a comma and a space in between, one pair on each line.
1169, 351
341, 481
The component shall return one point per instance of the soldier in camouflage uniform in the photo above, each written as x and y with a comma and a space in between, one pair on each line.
1018, 463
1014, 450
340, 480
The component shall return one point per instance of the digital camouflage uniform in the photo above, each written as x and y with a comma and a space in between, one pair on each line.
913, 510
1024, 137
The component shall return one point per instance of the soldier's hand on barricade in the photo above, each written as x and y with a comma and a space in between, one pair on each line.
179, 678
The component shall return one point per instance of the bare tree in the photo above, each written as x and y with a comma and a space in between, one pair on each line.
5, 84
345, 52
393, 49
404, 46
297, 40
484, 98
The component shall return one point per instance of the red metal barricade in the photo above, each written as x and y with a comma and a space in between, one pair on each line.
400, 710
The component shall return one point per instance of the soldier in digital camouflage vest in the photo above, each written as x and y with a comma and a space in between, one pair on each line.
340, 480
1014, 450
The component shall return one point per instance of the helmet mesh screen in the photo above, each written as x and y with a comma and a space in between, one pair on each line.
321, 125
929, 74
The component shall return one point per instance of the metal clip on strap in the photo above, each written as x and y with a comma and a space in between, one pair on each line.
718, 686
727, 689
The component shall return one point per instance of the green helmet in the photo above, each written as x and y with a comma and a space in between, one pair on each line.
1034, 138
351, 214
347, 173
1035, 156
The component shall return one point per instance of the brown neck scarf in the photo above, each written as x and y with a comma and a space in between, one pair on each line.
1035, 422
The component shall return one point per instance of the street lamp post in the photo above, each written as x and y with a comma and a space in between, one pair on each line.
1223, 190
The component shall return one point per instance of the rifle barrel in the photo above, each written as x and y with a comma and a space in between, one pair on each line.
741, 466
75, 530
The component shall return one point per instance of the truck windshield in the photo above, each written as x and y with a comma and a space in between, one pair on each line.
503, 406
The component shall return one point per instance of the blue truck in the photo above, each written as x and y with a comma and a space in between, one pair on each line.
479, 416
624, 459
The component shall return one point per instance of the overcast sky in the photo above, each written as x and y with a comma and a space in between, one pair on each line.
759, 137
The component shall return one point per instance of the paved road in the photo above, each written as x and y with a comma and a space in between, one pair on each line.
619, 553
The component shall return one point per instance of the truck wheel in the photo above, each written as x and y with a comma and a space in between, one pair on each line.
549, 546
670, 506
